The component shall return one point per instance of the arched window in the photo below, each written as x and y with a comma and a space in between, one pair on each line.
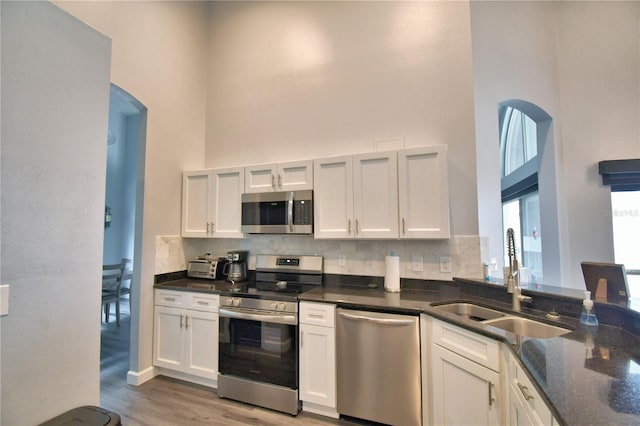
519, 186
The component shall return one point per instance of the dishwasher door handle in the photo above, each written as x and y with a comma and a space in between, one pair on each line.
383, 321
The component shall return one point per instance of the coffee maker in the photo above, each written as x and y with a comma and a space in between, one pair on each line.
236, 269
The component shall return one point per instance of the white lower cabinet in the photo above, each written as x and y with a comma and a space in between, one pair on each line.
465, 377
185, 343
526, 406
318, 358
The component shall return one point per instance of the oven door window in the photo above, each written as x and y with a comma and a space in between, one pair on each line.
260, 351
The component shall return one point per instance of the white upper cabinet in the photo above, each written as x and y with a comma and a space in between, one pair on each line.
403, 194
333, 197
356, 196
375, 195
196, 189
212, 203
228, 185
292, 176
423, 192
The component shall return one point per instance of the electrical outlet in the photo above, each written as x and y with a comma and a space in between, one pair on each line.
342, 260
445, 264
416, 262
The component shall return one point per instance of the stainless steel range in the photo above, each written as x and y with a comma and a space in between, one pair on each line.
258, 351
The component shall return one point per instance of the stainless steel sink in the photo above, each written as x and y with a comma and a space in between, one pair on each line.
470, 311
527, 327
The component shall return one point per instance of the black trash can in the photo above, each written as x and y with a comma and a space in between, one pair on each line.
87, 415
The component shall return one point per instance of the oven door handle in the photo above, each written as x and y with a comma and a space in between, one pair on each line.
251, 316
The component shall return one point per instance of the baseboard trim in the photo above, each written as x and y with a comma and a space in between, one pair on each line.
322, 410
136, 378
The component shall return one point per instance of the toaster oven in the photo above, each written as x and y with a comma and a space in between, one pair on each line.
206, 268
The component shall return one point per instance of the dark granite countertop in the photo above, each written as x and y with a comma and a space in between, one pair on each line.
590, 376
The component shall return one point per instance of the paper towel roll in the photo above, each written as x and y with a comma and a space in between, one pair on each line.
392, 274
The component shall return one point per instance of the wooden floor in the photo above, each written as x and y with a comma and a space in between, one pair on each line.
165, 401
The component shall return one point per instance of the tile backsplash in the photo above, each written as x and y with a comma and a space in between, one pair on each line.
361, 257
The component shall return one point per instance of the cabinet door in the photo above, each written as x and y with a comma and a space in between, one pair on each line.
260, 178
464, 392
423, 192
168, 337
294, 176
228, 186
196, 192
333, 197
375, 195
519, 413
526, 406
201, 355
318, 365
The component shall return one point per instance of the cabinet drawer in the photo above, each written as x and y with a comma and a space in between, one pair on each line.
470, 345
170, 298
203, 302
523, 389
323, 314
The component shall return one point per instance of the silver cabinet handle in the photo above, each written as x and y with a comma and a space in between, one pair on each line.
357, 227
279, 181
186, 321
181, 320
273, 181
202, 302
491, 398
301, 338
525, 392
349, 226
404, 229
385, 321
170, 299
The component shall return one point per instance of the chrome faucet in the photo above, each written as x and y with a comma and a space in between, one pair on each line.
513, 280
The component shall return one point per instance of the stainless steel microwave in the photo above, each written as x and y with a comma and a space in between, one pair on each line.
289, 212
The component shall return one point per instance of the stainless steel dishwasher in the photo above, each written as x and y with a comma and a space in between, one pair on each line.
378, 367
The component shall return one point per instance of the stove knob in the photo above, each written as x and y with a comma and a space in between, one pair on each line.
274, 306
230, 301
236, 301
282, 306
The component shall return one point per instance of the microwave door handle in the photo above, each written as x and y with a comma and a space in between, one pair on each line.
290, 211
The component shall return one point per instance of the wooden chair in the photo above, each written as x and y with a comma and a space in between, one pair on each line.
113, 277
111, 283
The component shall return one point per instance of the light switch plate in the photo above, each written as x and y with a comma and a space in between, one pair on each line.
342, 260
4, 300
445, 264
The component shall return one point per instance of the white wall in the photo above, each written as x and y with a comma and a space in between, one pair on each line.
579, 62
55, 97
299, 80
159, 51
599, 74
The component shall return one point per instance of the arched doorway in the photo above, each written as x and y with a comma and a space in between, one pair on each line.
126, 144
